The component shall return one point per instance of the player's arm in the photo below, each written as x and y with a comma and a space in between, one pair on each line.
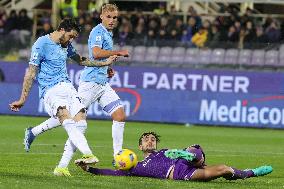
27, 85
97, 171
109, 172
99, 53
83, 61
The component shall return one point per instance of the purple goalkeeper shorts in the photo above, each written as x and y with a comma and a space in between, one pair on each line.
183, 170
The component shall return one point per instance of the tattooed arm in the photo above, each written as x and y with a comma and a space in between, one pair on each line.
87, 62
27, 85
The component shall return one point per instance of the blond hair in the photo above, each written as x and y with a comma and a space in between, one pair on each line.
108, 7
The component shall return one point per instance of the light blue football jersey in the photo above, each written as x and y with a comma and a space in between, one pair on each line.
50, 58
99, 37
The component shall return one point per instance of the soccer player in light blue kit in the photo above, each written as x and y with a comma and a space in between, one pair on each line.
94, 86
48, 65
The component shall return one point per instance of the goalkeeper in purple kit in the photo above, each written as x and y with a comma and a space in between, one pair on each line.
184, 164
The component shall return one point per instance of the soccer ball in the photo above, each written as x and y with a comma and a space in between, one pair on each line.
125, 159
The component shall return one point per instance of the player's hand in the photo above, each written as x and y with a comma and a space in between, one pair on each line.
111, 59
83, 166
17, 105
124, 53
110, 72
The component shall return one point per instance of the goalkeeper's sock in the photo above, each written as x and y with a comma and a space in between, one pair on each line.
117, 136
243, 174
46, 125
240, 174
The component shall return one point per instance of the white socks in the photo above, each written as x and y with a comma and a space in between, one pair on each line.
47, 125
76, 136
70, 148
117, 136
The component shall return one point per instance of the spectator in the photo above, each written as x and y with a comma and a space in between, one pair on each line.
238, 26
267, 22
12, 22
247, 16
46, 29
68, 8
199, 39
260, 39
176, 30
214, 38
83, 38
161, 10
249, 34
232, 35
193, 13
153, 25
191, 26
25, 28
124, 34
139, 35
141, 25
273, 32
186, 38
241, 38
93, 6
95, 17
151, 37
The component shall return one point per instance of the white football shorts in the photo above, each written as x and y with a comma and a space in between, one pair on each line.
104, 94
62, 94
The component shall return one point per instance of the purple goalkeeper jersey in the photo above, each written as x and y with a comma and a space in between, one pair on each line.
156, 165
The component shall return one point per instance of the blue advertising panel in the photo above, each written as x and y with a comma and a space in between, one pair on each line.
212, 97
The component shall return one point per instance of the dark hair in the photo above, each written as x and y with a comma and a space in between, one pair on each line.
69, 24
149, 133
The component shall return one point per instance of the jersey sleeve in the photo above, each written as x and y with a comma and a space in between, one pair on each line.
71, 51
96, 38
36, 54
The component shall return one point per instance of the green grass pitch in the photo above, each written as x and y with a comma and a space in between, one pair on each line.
238, 147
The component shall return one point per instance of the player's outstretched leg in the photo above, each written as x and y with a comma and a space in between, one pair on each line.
248, 173
79, 140
32, 132
69, 150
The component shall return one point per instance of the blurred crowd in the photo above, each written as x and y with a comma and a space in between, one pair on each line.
169, 28
16, 25
158, 28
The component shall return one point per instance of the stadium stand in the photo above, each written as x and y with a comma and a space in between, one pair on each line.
165, 38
